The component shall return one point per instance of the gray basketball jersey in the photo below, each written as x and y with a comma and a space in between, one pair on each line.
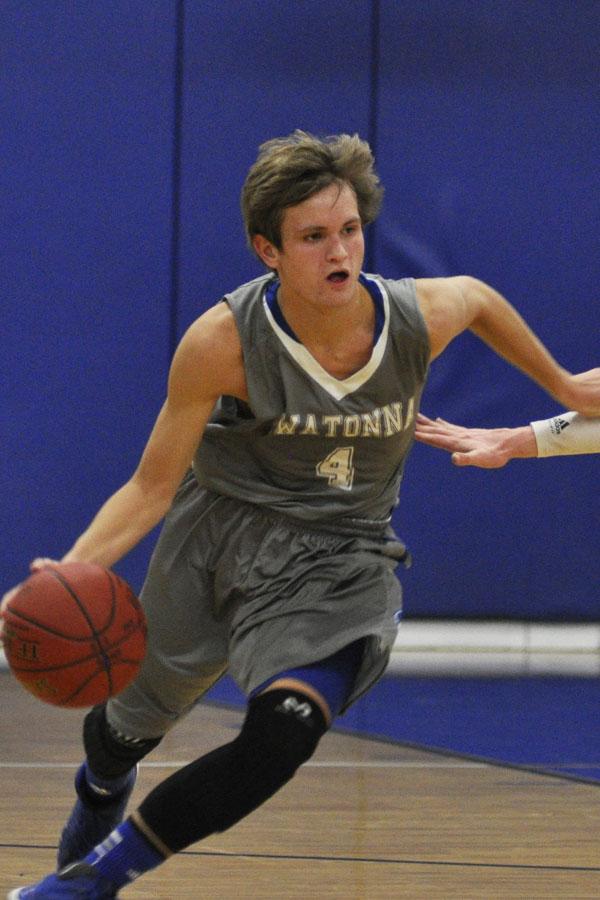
309, 445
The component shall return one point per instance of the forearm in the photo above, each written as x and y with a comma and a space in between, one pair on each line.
119, 525
566, 435
515, 443
490, 448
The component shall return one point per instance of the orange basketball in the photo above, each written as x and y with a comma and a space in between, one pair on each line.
74, 634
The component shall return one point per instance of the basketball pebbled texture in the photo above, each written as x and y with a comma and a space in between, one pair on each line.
74, 634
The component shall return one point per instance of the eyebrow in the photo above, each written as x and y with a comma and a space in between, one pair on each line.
351, 221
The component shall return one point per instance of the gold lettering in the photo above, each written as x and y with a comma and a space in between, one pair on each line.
380, 422
332, 423
311, 425
392, 418
351, 426
371, 423
410, 412
287, 425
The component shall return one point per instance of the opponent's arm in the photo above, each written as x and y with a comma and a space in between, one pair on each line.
453, 305
490, 448
566, 435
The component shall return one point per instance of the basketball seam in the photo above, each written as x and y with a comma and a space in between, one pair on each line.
82, 659
17, 614
94, 632
100, 656
83, 685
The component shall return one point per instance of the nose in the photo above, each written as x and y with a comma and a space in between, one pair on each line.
336, 249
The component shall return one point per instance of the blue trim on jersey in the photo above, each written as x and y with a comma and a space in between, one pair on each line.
371, 286
332, 677
375, 291
273, 304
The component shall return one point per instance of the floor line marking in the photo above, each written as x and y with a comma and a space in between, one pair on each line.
305, 857
325, 764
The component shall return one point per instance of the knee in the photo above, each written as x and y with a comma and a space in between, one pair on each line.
281, 731
284, 727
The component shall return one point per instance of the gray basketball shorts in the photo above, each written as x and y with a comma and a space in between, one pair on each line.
234, 587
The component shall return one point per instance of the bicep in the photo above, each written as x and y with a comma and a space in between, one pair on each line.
204, 367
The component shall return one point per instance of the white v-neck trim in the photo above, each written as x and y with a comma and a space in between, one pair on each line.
336, 387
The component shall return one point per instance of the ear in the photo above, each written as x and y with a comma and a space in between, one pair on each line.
267, 251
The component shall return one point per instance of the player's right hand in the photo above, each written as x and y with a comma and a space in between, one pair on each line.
3, 604
41, 562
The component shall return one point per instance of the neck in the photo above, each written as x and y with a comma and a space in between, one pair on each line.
327, 324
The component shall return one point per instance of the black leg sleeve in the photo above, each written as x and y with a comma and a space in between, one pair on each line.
280, 732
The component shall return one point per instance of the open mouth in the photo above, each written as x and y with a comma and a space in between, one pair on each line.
338, 277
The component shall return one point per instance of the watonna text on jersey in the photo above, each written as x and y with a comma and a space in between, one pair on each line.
381, 422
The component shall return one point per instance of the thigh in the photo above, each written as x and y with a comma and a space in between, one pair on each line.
187, 643
313, 595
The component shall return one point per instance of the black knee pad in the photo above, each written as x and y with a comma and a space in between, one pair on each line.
286, 724
281, 731
109, 754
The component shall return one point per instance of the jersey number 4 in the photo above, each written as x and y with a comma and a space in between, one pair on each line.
337, 468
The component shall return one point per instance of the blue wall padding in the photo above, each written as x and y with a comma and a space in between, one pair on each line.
485, 143
86, 189
128, 130
251, 73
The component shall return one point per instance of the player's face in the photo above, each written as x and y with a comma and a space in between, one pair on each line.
322, 249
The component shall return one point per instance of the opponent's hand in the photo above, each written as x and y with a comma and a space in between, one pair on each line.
487, 448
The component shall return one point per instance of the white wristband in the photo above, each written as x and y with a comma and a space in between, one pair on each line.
567, 434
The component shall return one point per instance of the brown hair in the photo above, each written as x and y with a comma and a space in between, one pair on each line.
291, 169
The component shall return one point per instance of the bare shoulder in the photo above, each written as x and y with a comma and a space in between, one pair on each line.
209, 355
443, 290
444, 304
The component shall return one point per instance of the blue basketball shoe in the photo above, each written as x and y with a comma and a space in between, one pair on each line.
92, 819
78, 880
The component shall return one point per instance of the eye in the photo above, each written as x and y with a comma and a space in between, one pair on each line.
313, 237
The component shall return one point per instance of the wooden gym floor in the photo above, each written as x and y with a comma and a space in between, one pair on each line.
364, 820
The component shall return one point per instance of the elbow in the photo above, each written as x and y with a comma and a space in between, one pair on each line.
471, 288
480, 303
156, 495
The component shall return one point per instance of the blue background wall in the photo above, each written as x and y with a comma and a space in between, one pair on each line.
128, 131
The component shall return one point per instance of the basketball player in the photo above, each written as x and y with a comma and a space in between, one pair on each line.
567, 434
296, 398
